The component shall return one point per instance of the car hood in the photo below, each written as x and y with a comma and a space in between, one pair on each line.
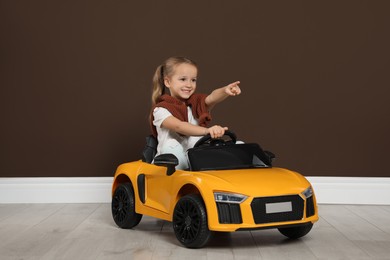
259, 181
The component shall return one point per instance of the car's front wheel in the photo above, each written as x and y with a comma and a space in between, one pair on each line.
123, 207
190, 222
296, 232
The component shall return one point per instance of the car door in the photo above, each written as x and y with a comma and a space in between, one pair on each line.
154, 187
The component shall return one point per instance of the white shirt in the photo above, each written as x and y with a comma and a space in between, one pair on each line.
165, 135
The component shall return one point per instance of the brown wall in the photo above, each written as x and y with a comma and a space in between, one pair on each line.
75, 80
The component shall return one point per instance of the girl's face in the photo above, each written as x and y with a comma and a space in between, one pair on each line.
182, 83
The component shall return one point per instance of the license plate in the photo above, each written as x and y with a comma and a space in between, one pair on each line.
278, 207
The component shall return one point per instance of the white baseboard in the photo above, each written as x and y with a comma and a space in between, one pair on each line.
329, 190
351, 190
56, 190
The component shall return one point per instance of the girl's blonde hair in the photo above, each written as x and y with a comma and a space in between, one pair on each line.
166, 70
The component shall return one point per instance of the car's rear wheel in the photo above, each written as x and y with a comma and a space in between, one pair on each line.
123, 207
190, 222
296, 232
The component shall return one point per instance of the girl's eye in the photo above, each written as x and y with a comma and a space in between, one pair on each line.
193, 80
183, 79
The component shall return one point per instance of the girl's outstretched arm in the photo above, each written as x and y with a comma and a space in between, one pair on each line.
220, 94
185, 128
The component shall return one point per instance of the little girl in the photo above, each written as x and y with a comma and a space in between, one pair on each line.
180, 119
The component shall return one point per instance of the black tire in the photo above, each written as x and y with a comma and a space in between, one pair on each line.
190, 222
123, 207
296, 232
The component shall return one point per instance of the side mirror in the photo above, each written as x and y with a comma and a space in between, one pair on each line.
270, 155
168, 160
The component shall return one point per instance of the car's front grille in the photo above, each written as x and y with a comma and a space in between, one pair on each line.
277, 209
229, 213
310, 211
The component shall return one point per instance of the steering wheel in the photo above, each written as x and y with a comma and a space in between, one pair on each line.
209, 141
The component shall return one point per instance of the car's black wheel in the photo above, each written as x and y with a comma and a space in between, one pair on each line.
190, 222
123, 207
296, 232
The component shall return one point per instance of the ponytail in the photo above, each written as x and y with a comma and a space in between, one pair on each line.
158, 84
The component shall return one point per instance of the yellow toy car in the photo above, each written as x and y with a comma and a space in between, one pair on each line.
228, 187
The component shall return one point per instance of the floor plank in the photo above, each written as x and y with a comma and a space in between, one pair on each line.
378, 216
87, 231
353, 225
34, 242
7, 210
24, 218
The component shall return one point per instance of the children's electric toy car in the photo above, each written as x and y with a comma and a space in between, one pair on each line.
228, 187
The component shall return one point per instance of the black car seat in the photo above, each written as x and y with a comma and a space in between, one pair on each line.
150, 149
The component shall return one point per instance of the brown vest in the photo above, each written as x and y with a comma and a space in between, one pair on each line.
179, 109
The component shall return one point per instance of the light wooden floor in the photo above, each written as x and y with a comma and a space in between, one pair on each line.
87, 231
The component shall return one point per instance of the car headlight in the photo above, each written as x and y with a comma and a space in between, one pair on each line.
308, 192
229, 197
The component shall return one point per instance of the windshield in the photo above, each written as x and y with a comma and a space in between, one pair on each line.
235, 156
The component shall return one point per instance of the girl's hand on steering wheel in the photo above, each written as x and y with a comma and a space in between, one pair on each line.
216, 131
